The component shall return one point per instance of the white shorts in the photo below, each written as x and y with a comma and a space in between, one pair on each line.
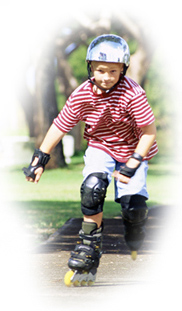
97, 160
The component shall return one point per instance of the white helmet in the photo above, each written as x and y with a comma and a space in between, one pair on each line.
109, 48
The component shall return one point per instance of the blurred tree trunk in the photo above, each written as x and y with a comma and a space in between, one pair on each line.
27, 100
67, 84
46, 105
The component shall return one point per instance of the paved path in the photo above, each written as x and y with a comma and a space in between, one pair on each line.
120, 281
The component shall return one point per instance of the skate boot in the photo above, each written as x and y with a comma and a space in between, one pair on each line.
134, 235
85, 258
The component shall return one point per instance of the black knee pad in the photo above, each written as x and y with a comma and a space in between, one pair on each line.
134, 209
93, 192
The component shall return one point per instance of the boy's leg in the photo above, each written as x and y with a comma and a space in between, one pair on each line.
93, 190
132, 197
134, 213
94, 218
97, 176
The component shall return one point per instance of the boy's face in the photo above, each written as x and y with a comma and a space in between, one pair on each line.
106, 74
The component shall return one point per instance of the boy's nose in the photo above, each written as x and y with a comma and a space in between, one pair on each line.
106, 76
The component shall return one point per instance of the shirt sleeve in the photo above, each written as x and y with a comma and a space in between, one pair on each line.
67, 118
140, 110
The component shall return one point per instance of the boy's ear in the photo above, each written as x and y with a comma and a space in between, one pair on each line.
91, 66
122, 67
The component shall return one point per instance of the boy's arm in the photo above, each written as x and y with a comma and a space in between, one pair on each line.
52, 138
145, 143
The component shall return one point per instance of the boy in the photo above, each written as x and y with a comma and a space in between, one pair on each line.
120, 130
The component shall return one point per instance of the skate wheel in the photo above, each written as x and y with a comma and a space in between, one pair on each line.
134, 255
90, 283
76, 283
67, 278
83, 283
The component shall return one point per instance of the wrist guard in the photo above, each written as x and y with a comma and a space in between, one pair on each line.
128, 171
137, 156
43, 159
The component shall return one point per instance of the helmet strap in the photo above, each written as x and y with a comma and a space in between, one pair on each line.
101, 88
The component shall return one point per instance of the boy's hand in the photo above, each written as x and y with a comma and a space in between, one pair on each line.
121, 177
128, 170
38, 173
34, 171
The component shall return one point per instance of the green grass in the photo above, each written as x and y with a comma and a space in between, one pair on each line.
56, 198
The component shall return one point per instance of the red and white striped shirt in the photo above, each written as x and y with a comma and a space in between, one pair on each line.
112, 120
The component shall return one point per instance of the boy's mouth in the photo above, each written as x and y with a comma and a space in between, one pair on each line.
106, 84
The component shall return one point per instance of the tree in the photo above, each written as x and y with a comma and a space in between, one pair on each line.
46, 104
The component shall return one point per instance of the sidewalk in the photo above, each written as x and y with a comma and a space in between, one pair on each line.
65, 238
117, 273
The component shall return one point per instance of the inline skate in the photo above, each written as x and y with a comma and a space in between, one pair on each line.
85, 258
134, 235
